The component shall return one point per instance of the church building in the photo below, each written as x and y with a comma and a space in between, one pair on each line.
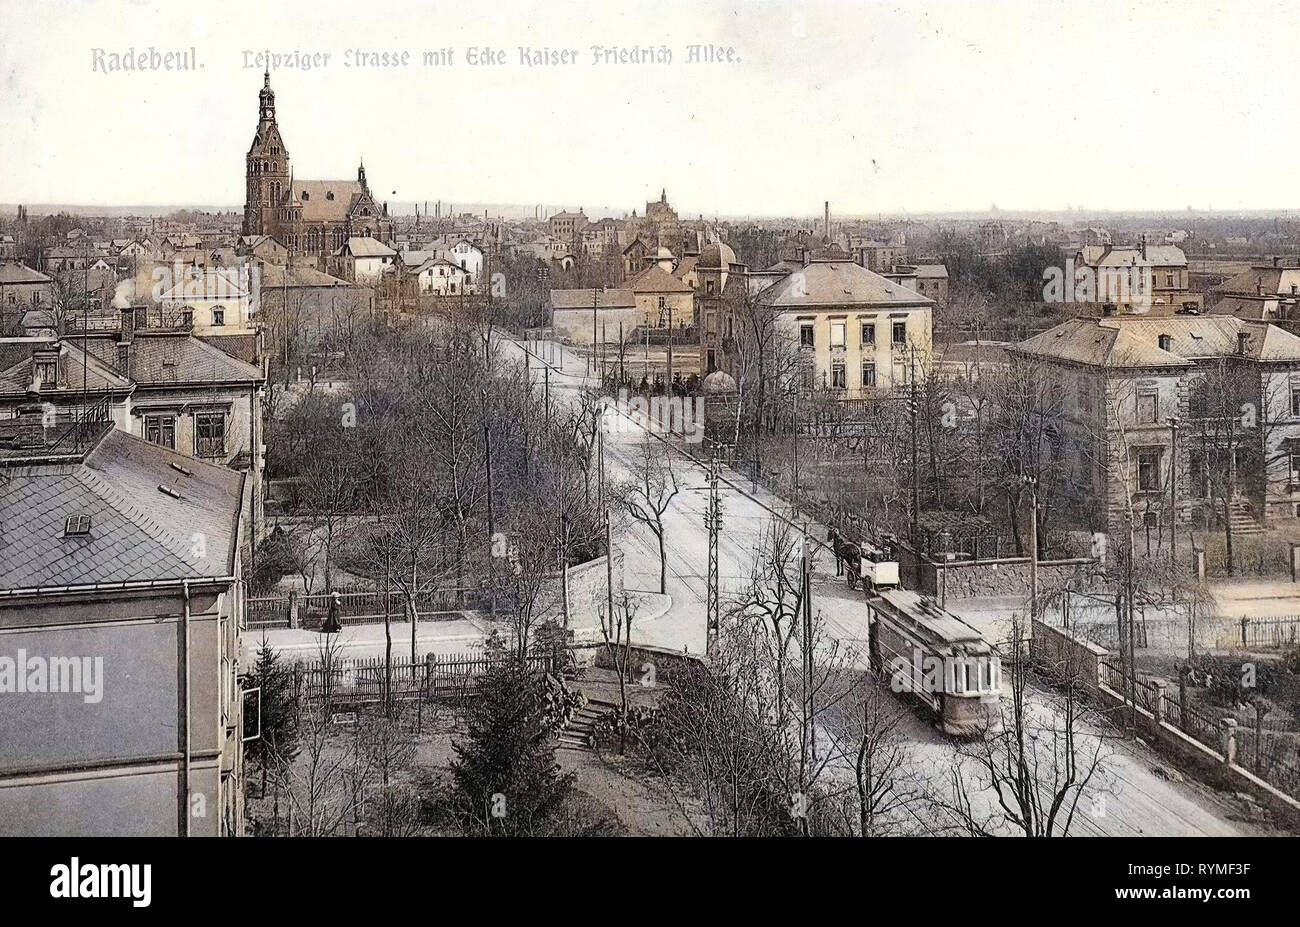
314, 217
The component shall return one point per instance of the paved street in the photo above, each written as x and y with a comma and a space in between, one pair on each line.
1135, 799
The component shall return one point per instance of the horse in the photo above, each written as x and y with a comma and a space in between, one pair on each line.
847, 554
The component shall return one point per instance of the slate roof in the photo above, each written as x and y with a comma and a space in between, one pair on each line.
137, 531
179, 357
327, 200
98, 376
1127, 343
839, 283
1157, 256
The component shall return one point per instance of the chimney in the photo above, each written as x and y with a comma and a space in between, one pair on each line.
1243, 340
1259, 286
26, 430
827, 220
1144, 246
1276, 260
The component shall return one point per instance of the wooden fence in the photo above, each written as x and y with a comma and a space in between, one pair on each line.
358, 681
1261, 633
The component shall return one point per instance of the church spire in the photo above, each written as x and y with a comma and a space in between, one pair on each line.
266, 99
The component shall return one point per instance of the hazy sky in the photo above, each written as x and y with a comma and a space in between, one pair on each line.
878, 107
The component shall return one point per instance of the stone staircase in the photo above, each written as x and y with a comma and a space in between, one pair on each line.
1243, 523
578, 732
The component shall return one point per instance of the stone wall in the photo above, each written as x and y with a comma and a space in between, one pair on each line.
588, 596
966, 579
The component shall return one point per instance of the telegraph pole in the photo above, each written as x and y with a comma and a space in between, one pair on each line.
806, 566
670, 351
916, 484
487, 458
1173, 490
713, 522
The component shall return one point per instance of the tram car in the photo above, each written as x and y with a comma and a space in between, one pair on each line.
931, 654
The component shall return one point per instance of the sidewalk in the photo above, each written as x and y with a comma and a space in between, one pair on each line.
457, 635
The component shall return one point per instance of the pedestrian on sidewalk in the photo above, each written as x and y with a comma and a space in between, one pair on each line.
332, 624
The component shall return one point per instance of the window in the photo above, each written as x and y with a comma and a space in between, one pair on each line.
1295, 400
219, 316
47, 371
868, 332
161, 430
663, 303
708, 287
806, 377
900, 333
209, 434
1147, 408
838, 377
1295, 466
1149, 471
868, 374
1169, 279
837, 334
806, 335
76, 524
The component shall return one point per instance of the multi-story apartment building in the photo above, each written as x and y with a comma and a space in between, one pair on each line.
1143, 280
167, 387
857, 333
1164, 420
120, 610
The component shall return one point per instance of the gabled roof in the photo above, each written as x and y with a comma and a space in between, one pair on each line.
12, 272
839, 283
137, 531
367, 247
208, 284
654, 279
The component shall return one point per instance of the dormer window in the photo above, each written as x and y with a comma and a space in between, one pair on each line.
1166, 342
329, 195
305, 197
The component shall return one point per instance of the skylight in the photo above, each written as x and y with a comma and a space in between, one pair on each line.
76, 524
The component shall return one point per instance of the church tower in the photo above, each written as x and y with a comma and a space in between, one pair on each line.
266, 172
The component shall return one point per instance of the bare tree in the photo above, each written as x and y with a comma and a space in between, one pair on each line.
1038, 766
648, 494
